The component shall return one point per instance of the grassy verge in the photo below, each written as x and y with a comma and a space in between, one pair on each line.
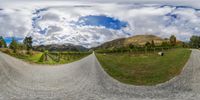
148, 69
36, 56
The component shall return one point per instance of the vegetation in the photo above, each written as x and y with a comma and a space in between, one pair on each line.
137, 40
195, 42
165, 44
13, 45
21, 54
2, 43
152, 43
24, 51
56, 58
46, 57
61, 57
144, 69
28, 43
172, 40
148, 47
135, 49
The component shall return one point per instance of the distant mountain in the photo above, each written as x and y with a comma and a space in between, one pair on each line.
60, 47
135, 40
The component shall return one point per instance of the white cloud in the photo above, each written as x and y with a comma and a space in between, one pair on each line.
14, 22
57, 19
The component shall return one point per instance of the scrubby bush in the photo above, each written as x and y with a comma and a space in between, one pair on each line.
6, 50
14, 45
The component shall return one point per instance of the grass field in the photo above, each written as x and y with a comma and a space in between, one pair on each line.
148, 69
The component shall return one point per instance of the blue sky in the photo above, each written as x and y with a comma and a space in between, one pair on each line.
93, 23
9, 39
101, 20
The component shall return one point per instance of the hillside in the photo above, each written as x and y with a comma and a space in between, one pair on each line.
60, 47
135, 40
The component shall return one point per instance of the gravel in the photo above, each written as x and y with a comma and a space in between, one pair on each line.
86, 80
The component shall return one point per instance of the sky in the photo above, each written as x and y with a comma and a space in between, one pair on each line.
92, 22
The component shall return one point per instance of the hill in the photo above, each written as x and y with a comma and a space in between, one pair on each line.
60, 47
135, 40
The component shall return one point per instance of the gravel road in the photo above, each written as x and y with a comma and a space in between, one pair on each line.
86, 80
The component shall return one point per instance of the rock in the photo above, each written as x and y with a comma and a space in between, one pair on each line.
161, 53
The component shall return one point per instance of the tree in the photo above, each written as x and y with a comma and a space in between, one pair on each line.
28, 43
172, 40
195, 42
148, 44
13, 45
165, 44
184, 45
131, 46
152, 43
21, 46
3, 42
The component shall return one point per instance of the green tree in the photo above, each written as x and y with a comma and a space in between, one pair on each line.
28, 43
13, 45
165, 44
148, 44
3, 42
195, 42
184, 45
152, 43
172, 40
131, 46
21, 46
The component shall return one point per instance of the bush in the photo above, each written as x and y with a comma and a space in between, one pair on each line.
6, 50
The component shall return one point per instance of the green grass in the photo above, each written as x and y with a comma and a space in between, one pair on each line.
35, 57
64, 59
148, 69
67, 57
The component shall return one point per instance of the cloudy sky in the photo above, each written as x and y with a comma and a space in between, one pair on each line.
92, 22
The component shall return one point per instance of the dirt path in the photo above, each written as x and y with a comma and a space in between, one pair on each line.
86, 80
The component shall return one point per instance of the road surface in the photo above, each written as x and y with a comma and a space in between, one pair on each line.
86, 80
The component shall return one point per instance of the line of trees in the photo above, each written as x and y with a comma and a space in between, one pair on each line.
15, 45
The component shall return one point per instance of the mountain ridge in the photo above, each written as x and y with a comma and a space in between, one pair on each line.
60, 47
138, 40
